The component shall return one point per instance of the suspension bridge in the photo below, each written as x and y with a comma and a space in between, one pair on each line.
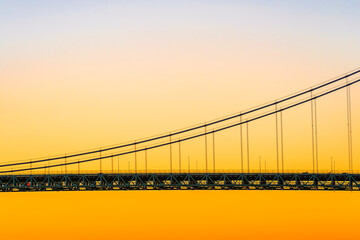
70, 171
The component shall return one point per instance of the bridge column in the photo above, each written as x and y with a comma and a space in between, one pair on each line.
262, 181
245, 182
280, 182
298, 182
333, 182
351, 183
316, 183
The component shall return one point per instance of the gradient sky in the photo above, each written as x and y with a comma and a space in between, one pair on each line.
76, 75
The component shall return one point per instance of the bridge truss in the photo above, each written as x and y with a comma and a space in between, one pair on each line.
181, 181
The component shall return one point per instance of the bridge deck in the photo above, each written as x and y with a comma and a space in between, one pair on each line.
180, 181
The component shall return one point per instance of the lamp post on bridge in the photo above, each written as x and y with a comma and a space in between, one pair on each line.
260, 164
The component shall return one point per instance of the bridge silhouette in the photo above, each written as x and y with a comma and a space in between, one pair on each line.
69, 171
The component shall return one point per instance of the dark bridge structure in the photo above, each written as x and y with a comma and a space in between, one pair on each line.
69, 172
182, 181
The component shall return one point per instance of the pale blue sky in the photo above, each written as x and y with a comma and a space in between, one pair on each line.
320, 26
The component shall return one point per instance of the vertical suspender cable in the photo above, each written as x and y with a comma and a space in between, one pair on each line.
312, 131
348, 101
206, 155
100, 161
277, 139
316, 139
170, 153
282, 142
146, 161
179, 156
135, 158
188, 164
248, 148
112, 164
213, 151
65, 165
241, 147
